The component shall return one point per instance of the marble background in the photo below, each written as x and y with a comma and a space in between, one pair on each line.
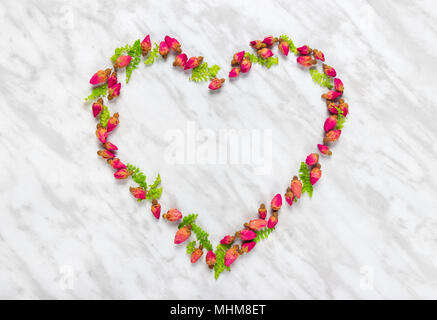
69, 231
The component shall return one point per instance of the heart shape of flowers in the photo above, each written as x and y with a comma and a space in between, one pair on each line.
105, 84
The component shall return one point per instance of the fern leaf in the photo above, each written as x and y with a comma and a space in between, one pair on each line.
191, 246
104, 116
97, 92
321, 78
264, 62
304, 175
189, 219
341, 119
135, 52
219, 266
154, 53
204, 73
263, 234
202, 236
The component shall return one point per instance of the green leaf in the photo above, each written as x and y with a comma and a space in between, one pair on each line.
263, 234
154, 53
341, 119
135, 52
202, 236
191, 246
264, 62
189, 219
204, 73
153, 191
104, 116
304, 175
219, 266
97, 92
321, 78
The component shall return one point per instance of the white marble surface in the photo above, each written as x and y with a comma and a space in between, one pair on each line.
68, 230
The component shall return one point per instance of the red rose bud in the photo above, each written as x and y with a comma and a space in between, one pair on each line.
318, 55
114, 91
237, 58
276, 203
100, 77
315, 174
331, 95
138, 193
312, 159
248, 246
193, 62
246, 234
210, 259
122, 174
328, 70
284, 47
235, 72
112, 80
306, 61
156, 208
245, 65
324, 149
109, 146
338, 84
163, 49
116, 163
296, 187
180, 60
231, 255
256, 224
97, 107
227, 240
289, 196
173, 44
101, 133
172, 215
105, 154
216, 83
257, 44
262, 211
122, 61
196, 254
146, 45
304, 50
332, 107
182, 234
332, 136
270, 40
273, 220
265, 53
330, 123
113, 122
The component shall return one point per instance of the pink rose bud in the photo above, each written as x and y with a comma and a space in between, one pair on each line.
324, 149
182, 234
122, 174
273, 220
262, 211
105, 154
113, 122
328, 70
257, 44
109, 146
256, 224
173, 44
193, 62
330, 123
344, 107
331, 95
332, 107
97, 107
100, 77
146, 45
210, 259
248, 246
338, 84
265, 53
163, 49
246, 234
231, 255
296, 187
332, 136
245, 65
122, 61
312, 159
216, 83
235, 72
101, 133
196, 254
306, 61
284, 47
116, 163
156, 208
112, 80
172, 215
180, 60
270, 40
227, 240
289, 196
318, 55
237, 58
114, 91
276, 203
315, 174
304, 50
138, 193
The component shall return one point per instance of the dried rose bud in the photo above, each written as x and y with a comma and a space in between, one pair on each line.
257, 44
332, 107
256, 224
265, 53
235, 72
246, 234
262, 211
193, 62
332, 136
273, 220
237, 58
163, 49
122, 61
231, 255
289, 196
182, 234
270, 40
100, 77
315, 174
248, 246
116, 163
331, 95
210, 259
324, 149
227, 240
344, 107
97, 107
146, 45
216, 83
112, 80
196, 254
306, 61
180, 60
276, 203
173, 44
328, 70
338, 84
138, 193
156, 208
245, 65
113, 122
122, 174
172, 215
312, 159
318, 55
284, 47
304, 50
109, 146
114, 91
330, 123
101, 133
105, 154
296, 187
